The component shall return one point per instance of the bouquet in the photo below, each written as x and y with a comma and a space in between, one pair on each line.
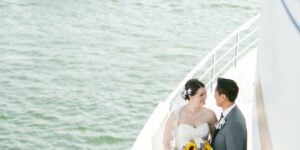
191, 145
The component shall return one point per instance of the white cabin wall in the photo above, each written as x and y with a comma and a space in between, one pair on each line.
278, 60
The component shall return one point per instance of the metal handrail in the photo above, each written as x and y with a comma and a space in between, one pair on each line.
229, 50
176, 93
229, 62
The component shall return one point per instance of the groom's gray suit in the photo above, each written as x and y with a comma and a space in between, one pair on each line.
233, 135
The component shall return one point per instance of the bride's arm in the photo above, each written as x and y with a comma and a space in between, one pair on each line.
168, 129
212, 122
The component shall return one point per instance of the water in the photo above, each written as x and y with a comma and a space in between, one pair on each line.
88, 74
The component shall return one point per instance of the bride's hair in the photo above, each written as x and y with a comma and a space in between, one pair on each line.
191, 87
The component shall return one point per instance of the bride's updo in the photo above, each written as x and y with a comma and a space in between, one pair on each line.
191, 87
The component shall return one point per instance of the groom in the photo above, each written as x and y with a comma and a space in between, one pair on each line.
231, 131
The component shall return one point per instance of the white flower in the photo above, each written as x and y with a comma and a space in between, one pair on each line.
199, 141
189, 91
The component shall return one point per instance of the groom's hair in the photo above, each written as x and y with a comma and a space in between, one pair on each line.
227, 87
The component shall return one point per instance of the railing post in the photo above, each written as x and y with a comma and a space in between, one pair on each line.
213, 71
237, 47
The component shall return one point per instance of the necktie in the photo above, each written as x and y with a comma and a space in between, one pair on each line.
222, 116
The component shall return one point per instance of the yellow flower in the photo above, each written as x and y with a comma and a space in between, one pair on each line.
207, 146
191, 145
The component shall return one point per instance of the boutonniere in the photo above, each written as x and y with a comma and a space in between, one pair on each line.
220, 124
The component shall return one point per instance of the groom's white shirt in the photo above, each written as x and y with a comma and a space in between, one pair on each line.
226, 111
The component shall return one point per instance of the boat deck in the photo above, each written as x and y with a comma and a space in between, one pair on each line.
243, 74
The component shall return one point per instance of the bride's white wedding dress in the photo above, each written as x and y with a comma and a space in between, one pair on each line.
185, 132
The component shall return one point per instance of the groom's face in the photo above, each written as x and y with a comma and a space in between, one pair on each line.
218, 98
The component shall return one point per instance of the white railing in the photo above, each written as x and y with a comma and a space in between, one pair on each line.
210, 68
213, 66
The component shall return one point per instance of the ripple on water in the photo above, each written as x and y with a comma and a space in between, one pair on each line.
103, 139
3, 117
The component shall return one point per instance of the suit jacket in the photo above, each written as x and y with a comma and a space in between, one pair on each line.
233, 135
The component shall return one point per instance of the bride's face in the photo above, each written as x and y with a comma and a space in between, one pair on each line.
200, 96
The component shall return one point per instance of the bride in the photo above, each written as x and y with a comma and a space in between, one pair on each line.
192, 121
